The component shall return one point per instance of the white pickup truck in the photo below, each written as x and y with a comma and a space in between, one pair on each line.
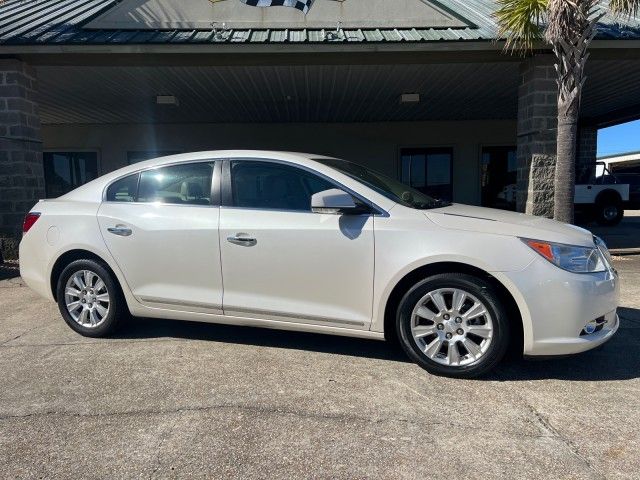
602, 198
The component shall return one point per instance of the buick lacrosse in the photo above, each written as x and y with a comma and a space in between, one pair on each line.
316, 244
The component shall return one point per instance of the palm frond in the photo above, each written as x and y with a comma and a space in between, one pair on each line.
520, 23
627, 8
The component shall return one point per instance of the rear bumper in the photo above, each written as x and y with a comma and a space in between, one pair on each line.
559, 305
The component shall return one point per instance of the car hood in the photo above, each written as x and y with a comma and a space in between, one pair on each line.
501, 222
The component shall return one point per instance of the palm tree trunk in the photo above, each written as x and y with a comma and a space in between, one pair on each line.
564, 181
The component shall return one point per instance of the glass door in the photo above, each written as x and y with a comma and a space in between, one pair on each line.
499, 173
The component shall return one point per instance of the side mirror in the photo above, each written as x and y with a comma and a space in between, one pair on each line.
335, 201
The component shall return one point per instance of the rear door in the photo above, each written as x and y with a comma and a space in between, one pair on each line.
282, 261
161, 226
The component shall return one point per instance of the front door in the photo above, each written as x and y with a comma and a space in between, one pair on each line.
161, 226
280, 260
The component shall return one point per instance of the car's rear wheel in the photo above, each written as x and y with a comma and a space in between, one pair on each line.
89, 298
453, 325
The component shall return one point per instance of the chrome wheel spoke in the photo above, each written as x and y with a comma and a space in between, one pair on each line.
458, 300
475, 311
473, 349
93, 317
424, 312
88, 278
101, 310
73, 306
424, 330
480, 330
83, 316
77, 279
453, 355
99, 286
433, 348
74, 292
103, 297
438, 300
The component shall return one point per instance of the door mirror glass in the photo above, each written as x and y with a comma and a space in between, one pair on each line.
336, 201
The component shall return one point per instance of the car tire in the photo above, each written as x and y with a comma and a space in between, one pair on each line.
609, 212
453, 340
90, 299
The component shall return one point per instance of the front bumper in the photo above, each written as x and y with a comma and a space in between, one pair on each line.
559, 304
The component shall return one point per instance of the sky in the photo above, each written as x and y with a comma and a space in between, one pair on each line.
619, 139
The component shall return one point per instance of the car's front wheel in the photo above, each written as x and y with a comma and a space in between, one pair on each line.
453, 325
89, 298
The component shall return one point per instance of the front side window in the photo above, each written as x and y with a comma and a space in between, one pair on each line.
389, 187
274, 186
188, 184
65, 171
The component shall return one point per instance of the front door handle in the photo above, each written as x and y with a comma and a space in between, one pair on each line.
242, 239
120, 230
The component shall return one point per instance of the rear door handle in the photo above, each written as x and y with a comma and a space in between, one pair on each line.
242, 239
120, 230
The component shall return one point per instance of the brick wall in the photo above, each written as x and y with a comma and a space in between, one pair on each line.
537, 129
21, 172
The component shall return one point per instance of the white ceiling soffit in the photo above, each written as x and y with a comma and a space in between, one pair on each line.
191, 14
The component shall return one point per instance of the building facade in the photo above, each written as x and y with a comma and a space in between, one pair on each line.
418, 89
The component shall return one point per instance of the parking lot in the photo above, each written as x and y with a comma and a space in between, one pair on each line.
173, 399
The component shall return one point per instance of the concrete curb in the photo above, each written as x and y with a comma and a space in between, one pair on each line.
621, 252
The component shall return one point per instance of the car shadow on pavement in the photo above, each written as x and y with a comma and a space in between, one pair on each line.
618, 359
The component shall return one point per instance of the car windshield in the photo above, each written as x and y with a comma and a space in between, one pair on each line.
387, 186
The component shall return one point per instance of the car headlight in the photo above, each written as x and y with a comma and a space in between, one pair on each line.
570, 257
603, 250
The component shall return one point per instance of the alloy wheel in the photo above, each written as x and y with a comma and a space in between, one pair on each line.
452, 327
87, 298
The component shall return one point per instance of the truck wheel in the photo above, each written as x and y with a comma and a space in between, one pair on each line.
609, 211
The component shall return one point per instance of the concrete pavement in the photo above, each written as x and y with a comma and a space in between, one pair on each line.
168, 399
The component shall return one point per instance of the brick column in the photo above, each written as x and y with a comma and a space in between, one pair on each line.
21, 171
537, 129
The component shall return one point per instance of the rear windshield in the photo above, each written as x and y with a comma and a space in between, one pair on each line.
384, 185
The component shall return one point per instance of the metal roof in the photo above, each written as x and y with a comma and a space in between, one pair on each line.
58, 22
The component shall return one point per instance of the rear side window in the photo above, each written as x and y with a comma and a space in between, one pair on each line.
268, 185
188, 184
123, 190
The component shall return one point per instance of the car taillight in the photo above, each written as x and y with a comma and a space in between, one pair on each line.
29, 219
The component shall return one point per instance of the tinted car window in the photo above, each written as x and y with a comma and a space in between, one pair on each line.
274, 186
188, 184
123, 190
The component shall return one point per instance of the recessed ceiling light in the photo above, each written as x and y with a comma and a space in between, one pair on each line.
166, 100
410, 98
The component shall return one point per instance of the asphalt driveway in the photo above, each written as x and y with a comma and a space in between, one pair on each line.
173, 399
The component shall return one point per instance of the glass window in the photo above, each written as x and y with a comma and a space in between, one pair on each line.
428, 170
123, 190
65, 171
274, 186
389, 187
188, 184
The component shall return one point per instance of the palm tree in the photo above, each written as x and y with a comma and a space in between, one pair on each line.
568, 26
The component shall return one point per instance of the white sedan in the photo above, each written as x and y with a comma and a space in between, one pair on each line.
316, 244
